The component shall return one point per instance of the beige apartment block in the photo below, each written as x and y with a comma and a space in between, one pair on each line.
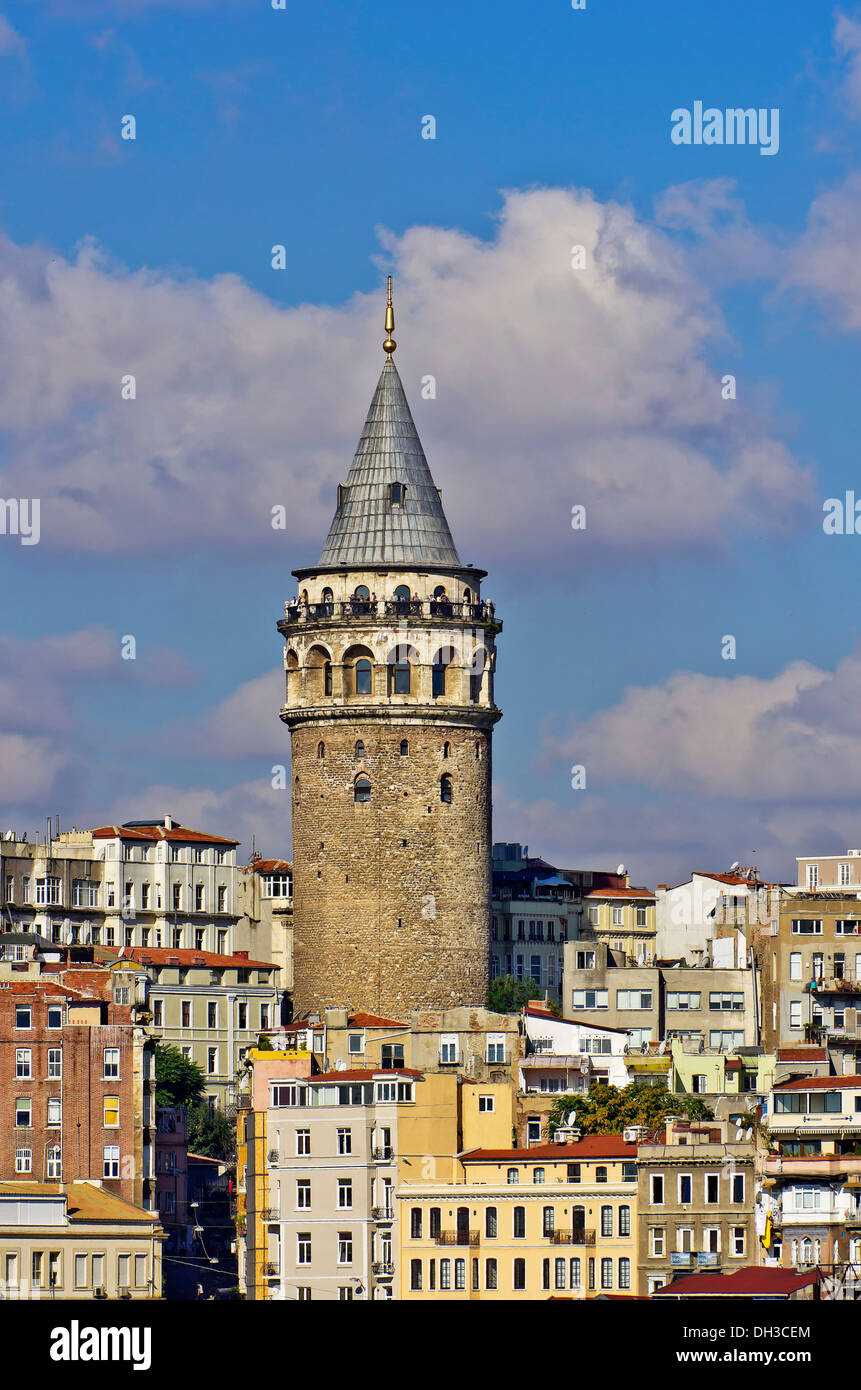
696, 1202
74, 1240
719, 1008
151, 885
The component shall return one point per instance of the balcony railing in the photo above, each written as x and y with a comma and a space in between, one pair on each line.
269, 1213
382, 1214
271, 1267
578, 1236
383, 1267
382, 1155
360, 610
457, 1238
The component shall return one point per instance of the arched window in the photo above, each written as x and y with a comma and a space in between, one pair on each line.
446, 749
362, 789
807, 1251
362, 592
321, 749
405, 748
600, 1173
477, 751
538, 1175
401, 678
363, 677
360, 749
328, 596
513, 1175
327, 677
445, 788
624, 1221
606, 1221
402, 593
439, 591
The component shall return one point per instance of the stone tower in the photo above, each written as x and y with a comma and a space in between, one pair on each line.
390, 662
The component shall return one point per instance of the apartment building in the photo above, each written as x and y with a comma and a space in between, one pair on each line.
621, 917
717, 1007
76, 1240
321, 1157
475, 1041
77, 1074
811, 1177
746, 1073
702, 921
695, 1201
809, 958
171, 1175
149, 885
535, 909
520, 1224
213, 1008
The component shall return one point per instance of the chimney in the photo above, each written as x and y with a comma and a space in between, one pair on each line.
168, 822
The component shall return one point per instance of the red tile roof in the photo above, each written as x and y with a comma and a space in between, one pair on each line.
724, 878
593, 1146
268, 866
620, 893
819, 1083
361, 1020
802, 1054
744, 1283
164, 955
364, 1074
179, 834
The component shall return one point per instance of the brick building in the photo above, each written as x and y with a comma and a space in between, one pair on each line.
389, 661
77, 1081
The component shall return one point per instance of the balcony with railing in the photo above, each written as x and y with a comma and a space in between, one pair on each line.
272, 1267
457, 1238
362, 611
382, 1214
579, 1235
382, 1155
383, 1267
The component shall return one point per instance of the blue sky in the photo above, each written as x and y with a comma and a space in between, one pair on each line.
302, 127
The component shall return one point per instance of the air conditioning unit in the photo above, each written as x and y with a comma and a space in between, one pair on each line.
633, 1134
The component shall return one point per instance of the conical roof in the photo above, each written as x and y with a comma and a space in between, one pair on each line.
370, 527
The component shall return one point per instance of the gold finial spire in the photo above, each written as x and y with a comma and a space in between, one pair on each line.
389, 345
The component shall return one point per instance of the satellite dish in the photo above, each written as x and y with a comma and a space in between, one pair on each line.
733, 867
620, 869
340, 1065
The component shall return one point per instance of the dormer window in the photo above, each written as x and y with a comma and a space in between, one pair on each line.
397, 494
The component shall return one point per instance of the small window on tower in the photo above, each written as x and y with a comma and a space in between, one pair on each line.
445, 788
362, 789
446, 750
360, 749
405, 748
363, 677
327, 678
342, 494
397, 493
321, 749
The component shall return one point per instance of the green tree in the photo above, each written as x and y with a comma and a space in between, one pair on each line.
210, 1133
178, 1081
508, 995
608, 1109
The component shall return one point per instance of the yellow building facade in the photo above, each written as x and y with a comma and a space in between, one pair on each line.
556, 1220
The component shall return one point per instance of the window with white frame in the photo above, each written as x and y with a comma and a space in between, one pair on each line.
54, 1161
111, 1062
496, 1047
585, 959
812, 875
844, 874
725, 1039
448, 1047
345, 1247
795, 965
303, 1248
738, 1240
633, 999
689, 999
23, 1063
807, 926
111, 1161
590, 999
23, 1112
345, 1192
795, 1013
486, 1104
55, 1112
23, 1160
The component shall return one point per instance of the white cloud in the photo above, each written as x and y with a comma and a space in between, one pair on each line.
555, 386
826, 262
792, 737
11, 42
251, 812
